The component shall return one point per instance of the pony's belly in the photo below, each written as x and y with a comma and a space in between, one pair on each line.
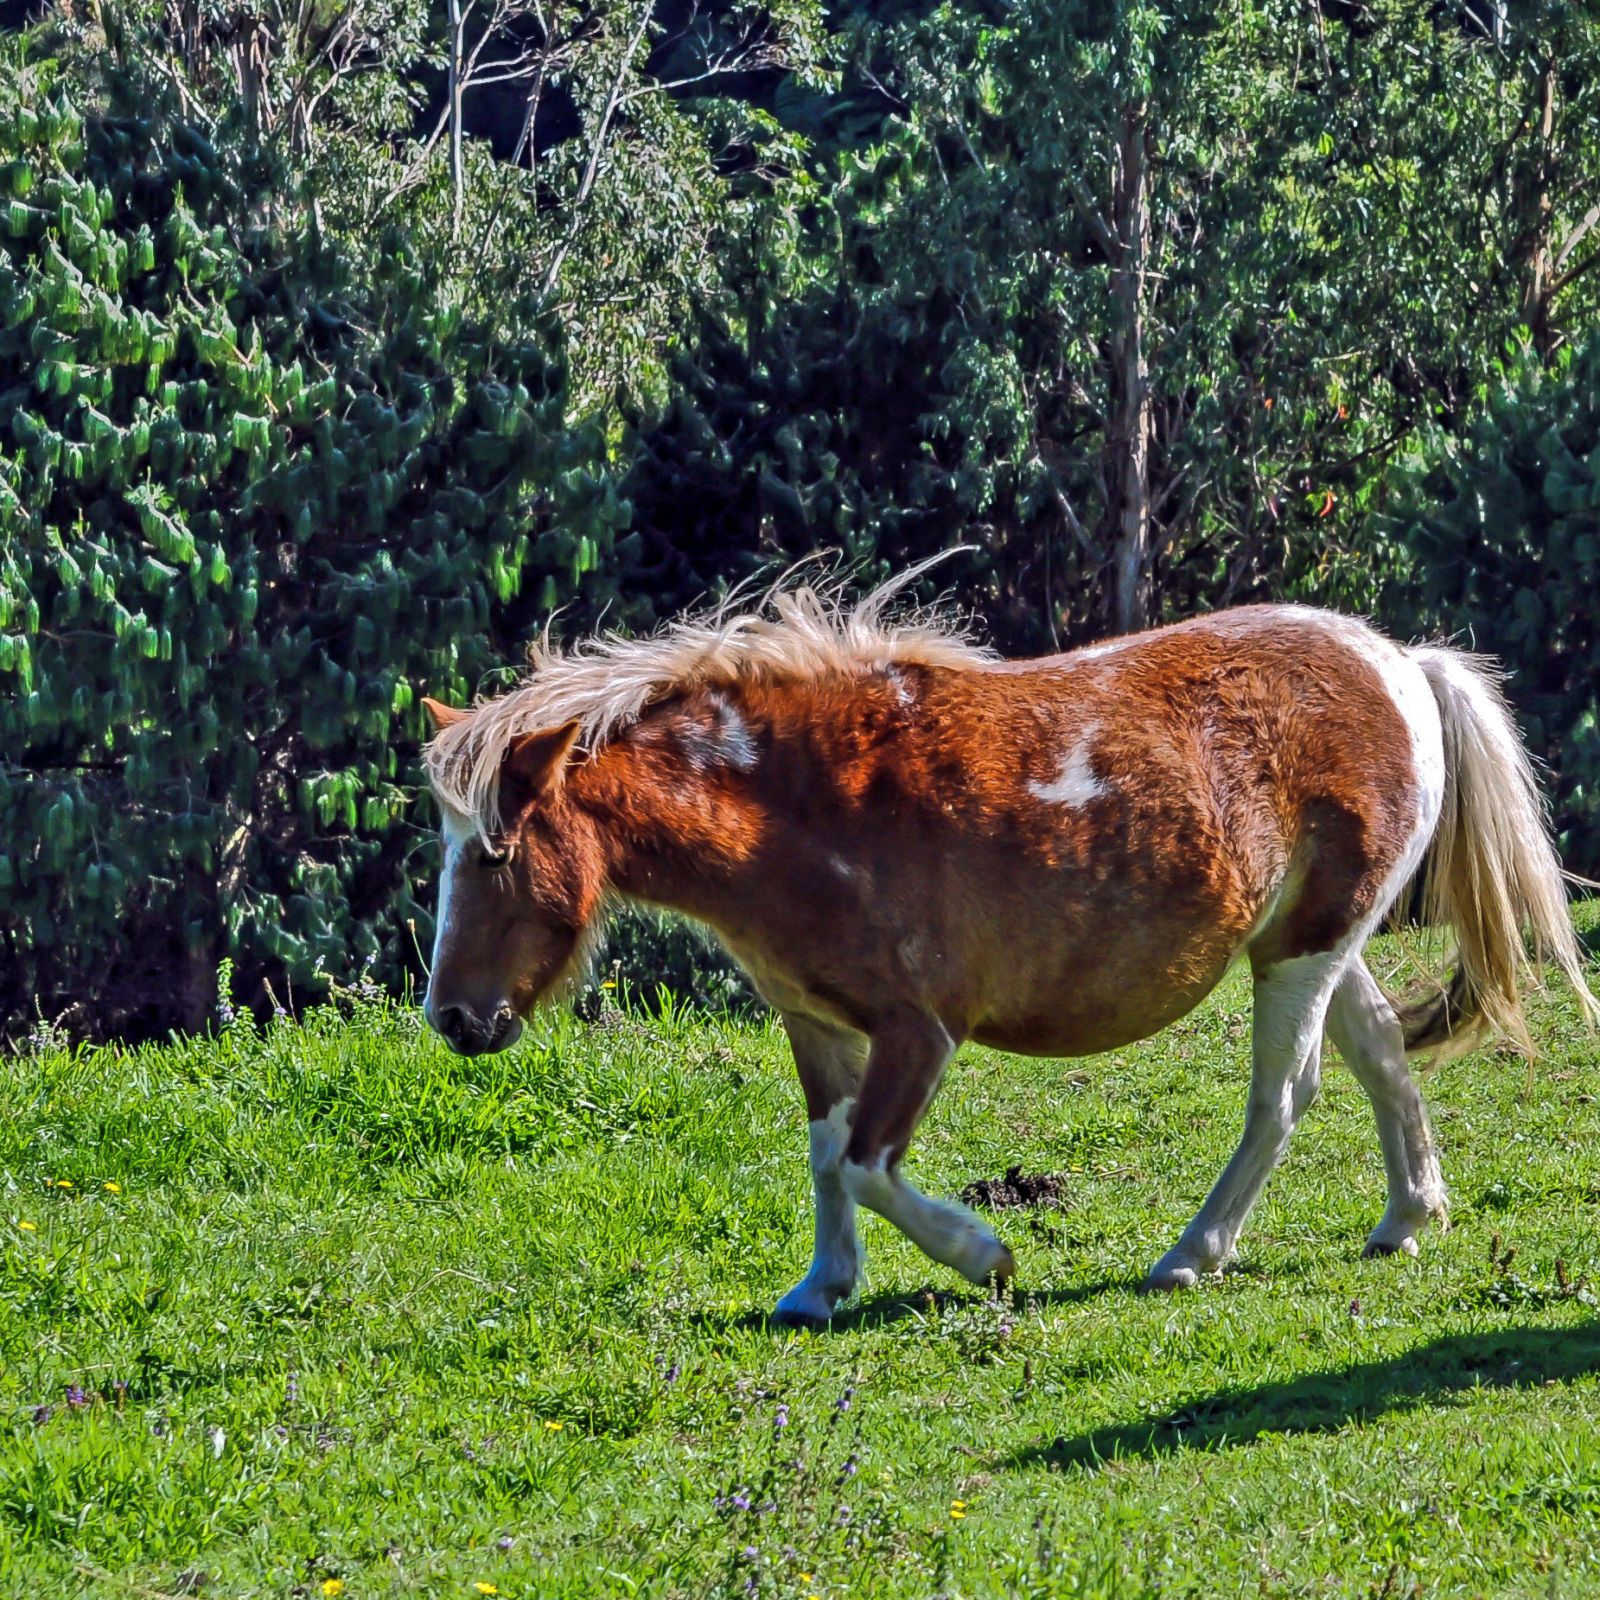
1067, 1036
1090, 1018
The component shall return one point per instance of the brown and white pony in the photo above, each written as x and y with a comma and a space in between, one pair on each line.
909, 843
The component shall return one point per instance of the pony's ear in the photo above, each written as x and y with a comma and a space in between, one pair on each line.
441, 715
536, 760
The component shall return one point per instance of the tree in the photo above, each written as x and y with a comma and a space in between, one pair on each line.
578, 159
1139, 298
248, 505
1501, 528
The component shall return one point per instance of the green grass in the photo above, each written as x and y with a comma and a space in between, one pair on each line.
359, 1311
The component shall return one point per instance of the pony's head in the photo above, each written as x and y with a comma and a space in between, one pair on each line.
520, 889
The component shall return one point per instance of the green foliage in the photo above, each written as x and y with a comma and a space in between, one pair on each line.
327, 378
598, 156
1502, 526
355, 1309
927, 349
247, 506
658, 959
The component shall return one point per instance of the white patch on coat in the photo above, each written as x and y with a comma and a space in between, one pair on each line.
737, 743
726, 741
1077, 785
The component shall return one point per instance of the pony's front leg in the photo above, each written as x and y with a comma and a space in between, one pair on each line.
830, 1062
908, 1057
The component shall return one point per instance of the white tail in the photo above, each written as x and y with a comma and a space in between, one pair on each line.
1493, 873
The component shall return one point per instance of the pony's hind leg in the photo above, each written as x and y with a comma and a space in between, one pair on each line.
1291, 1000
1363, 1026
908, 1057
830, 1063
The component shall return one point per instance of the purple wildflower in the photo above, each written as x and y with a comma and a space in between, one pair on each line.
76, 1398
671, 1375
750, 1553
41, 1415
843, 1402
741, 1501
780, 1419
504, 1542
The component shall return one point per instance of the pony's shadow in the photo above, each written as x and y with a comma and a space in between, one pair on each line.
880, 1311
1430, 1374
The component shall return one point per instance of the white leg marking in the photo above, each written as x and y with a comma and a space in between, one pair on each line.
948, 1232
837, 1260
1291, 1000
1363, 1026
1077, 785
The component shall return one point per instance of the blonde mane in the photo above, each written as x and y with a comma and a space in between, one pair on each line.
795, 632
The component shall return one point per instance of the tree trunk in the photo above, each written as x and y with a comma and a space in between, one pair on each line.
1532, 212
202, 948
458, 180
1129, 436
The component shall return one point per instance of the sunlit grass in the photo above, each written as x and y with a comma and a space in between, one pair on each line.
327, 1306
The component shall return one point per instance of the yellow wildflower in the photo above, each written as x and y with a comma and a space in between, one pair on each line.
485, 1588
116, 1188
555, 1427
332, 1586
29, 1227
958, 1505
63, 1183
805, 1577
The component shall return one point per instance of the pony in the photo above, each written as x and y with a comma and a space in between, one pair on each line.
908, 843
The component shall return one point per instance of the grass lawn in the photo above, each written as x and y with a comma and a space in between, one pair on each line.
325, 1310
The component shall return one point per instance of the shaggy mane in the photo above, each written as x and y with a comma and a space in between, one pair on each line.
794, 632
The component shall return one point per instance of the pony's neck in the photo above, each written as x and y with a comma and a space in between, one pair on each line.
675, 812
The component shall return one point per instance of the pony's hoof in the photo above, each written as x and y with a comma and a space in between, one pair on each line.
782, 1316
985, 1262
1405, 1245
1165, 1276
805, 1307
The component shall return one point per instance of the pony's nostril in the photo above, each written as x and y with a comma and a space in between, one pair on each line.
454, 1023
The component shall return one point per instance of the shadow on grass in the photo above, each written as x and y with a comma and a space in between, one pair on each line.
1431, 1374
883, 1309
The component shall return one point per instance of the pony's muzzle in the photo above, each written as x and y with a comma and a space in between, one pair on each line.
471, 1035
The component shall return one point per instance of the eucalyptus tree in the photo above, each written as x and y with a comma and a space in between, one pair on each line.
583, 156
1139, 297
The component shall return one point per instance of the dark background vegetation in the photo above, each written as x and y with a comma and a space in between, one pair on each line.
343, 342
